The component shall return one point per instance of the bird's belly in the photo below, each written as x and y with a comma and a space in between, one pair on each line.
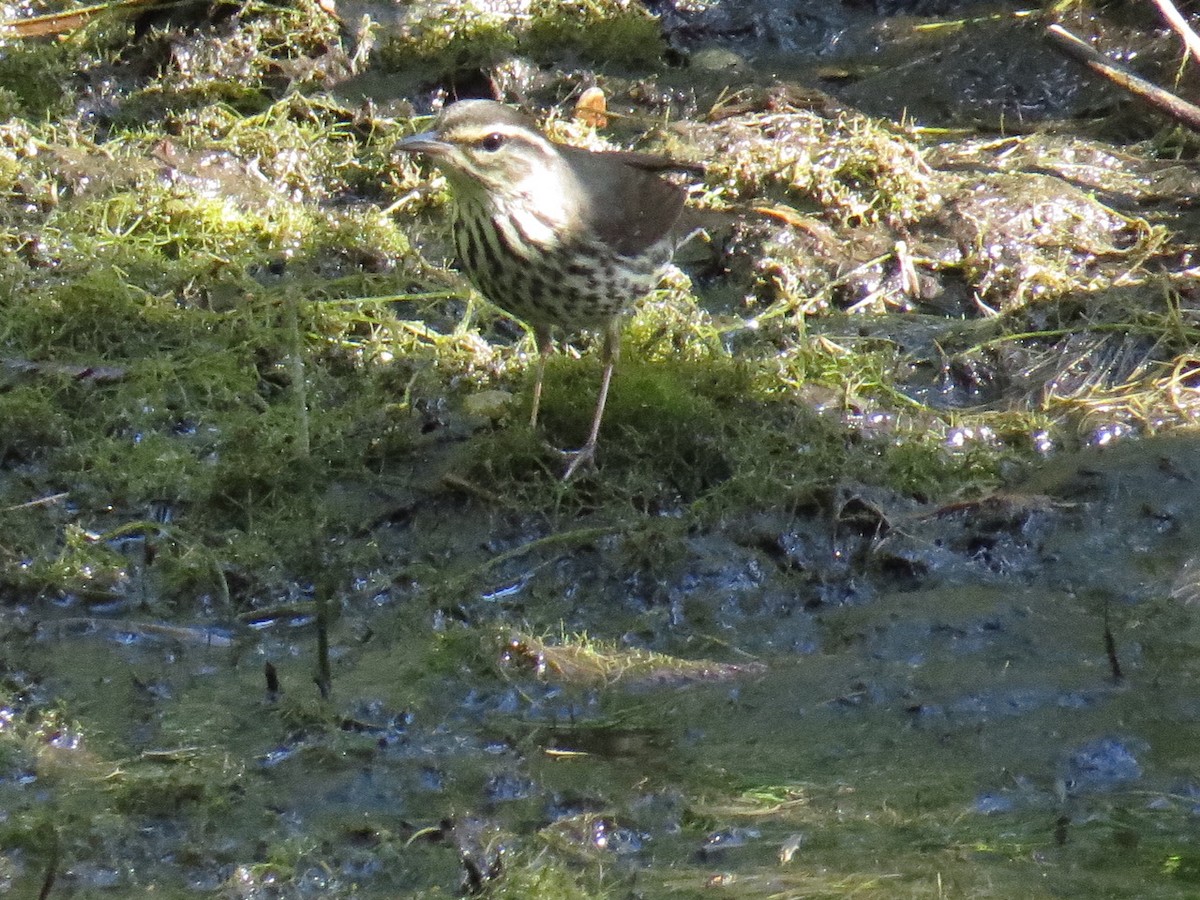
570, 285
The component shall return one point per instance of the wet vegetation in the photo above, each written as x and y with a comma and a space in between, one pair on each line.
884, 584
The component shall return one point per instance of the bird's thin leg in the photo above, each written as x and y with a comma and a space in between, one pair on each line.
586, 454
541, 334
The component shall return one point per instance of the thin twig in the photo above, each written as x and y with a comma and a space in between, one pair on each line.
1180, 25
1165, 101
40, 501
578, 536
321, 585
51, 865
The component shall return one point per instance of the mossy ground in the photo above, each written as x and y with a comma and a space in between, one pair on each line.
237, 383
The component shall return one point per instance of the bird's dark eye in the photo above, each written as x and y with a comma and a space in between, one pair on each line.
493, 142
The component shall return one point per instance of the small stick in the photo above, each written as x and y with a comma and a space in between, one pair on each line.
1110, 648
1180, 25
1081, 51
51, 865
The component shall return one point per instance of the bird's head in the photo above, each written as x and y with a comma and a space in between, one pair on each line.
484, 147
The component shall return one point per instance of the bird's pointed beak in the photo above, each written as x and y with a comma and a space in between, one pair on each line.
427, 142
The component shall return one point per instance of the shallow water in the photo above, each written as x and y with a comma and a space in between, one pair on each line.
981, 736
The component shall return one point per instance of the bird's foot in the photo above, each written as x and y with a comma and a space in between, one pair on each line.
584, 457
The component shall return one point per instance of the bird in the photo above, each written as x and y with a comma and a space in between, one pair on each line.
557, 236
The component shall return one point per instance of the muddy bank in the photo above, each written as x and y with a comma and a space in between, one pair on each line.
884, 582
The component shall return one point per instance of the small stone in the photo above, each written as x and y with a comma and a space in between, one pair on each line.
488, 404
716, 59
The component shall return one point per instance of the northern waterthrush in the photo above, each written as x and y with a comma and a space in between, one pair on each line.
555, 235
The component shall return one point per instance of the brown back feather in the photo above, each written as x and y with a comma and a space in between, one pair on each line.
635, 208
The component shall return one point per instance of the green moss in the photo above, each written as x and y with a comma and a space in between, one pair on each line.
466, 40
83, 566
868, 173
32, 419
606, 31
244, 65
614, 32
530, 875
164, 790
853, 169
37, 77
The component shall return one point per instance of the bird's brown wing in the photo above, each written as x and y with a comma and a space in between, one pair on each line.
635, 208
653, 162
